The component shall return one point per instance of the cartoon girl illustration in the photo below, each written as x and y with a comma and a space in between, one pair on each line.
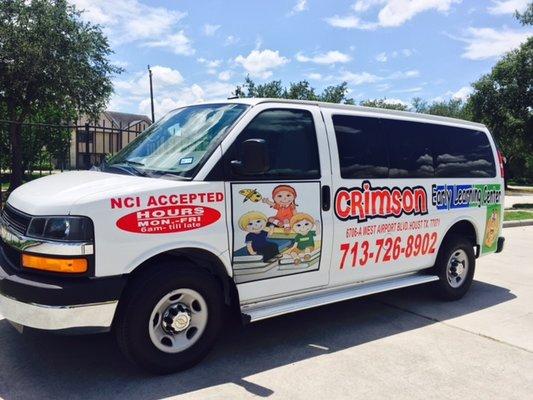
284, 202
257, 242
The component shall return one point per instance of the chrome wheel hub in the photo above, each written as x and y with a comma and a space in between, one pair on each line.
178, 320
457, 268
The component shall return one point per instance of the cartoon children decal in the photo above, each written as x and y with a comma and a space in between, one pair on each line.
257, 242
284, 202
304, 241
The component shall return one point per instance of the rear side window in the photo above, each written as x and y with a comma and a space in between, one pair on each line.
362, 148
388, 148
291, 141
462, 153
410, 149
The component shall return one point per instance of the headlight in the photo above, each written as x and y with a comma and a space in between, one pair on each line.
72, 229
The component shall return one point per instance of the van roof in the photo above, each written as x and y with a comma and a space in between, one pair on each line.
348, 107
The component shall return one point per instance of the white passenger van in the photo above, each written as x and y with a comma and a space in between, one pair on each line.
262, 206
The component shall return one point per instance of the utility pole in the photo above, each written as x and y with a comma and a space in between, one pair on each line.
151, 94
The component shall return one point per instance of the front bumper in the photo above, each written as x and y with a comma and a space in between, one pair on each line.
95, 317
56, 303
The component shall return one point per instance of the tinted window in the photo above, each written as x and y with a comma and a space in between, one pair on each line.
291, 141
361, 146
462, 153
410, 152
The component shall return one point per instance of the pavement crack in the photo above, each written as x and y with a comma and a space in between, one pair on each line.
432, 319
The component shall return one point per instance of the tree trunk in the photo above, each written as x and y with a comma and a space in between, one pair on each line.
17, 170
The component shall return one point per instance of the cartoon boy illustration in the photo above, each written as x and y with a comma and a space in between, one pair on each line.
284, 202
257, 242
304, 241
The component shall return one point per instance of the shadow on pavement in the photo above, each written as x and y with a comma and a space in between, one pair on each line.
40, 365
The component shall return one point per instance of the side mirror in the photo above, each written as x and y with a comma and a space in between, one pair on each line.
255, 158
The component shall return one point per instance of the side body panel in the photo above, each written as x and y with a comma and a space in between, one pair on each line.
379, 241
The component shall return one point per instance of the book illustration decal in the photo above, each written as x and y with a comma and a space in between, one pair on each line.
276, 229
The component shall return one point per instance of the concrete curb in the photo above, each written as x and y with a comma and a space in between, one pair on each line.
514, 224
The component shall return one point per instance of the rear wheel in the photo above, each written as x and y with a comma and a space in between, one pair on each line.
170, 318
455, 267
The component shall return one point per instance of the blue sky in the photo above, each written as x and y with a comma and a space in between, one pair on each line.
394, 49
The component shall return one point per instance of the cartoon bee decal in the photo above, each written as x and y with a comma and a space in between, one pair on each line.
251, 194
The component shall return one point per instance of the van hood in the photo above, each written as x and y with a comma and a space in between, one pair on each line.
57, 194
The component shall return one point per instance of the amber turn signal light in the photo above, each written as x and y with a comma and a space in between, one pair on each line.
64, 265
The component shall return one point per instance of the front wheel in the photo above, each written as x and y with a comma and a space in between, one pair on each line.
455, 268
170, 318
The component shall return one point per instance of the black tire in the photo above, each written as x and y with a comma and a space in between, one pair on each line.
143, 294
453, 245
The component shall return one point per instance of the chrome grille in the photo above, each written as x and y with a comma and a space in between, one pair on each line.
16, 219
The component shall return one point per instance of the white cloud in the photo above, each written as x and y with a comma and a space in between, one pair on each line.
210, 30
209, 63
409, 90
331, 57
360, 78
259, 63
349, 22
393, 13
164, 78
507, 6
314, 76
483, 43
383, 87
364, 5
301, 5
396, 101
412, 73
191, 94
127, 21
231, 40
178, 43
463, 93
225, 75
120, 63
382, 57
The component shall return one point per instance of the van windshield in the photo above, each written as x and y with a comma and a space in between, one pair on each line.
178, 144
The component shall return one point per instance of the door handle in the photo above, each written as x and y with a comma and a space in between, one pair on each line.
326, 198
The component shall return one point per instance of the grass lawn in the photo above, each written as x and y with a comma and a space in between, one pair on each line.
517, 215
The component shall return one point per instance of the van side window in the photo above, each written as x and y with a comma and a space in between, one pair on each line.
462, 153
410, 148
361, 146
290, 136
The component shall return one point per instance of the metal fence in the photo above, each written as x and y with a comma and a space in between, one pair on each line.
67, 146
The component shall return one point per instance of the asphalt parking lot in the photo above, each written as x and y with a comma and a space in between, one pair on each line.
398, 345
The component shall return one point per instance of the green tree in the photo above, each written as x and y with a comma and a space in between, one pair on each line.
526, 18
503, 100
453, 108
49, 58
300, 91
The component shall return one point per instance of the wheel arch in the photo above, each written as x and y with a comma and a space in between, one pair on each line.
465, 227
200, 258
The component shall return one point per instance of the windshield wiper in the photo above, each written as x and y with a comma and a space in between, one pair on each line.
131, 162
